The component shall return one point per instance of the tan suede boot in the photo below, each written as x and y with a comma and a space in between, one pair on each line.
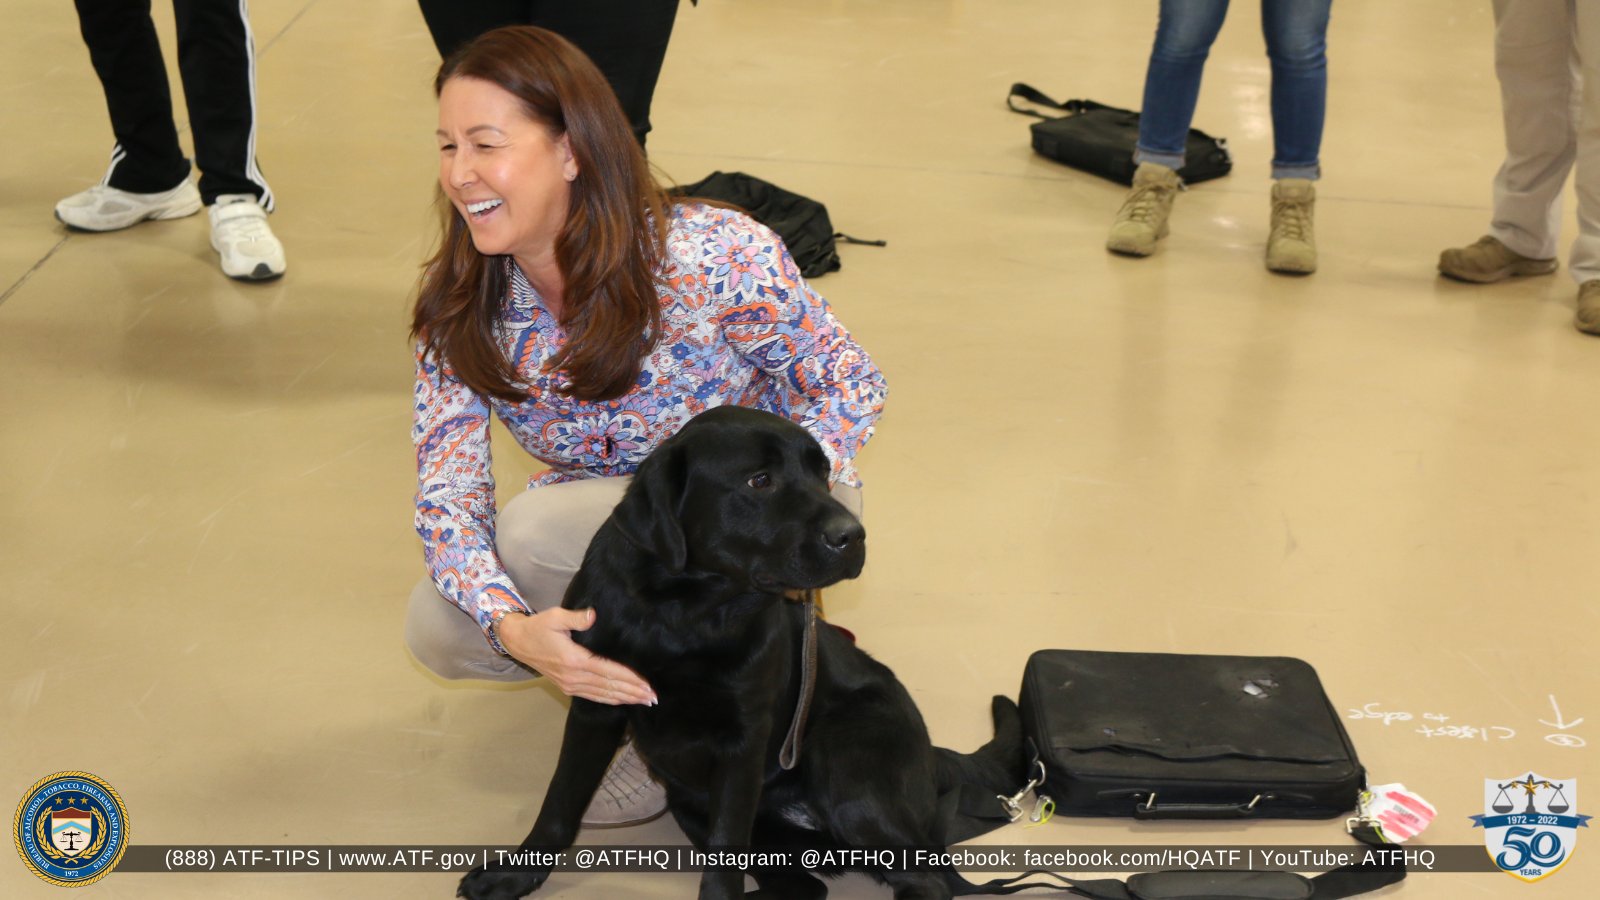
1588, 318
1142, 220
1292, 243
1488, 261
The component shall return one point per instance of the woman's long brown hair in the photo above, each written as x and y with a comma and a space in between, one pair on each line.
609, 250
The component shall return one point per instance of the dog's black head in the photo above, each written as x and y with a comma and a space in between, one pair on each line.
744, 494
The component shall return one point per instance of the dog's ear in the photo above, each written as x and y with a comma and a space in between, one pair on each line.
648, 513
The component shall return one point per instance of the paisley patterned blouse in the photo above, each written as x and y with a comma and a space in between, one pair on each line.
739, 326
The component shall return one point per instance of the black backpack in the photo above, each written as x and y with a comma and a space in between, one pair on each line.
803, 223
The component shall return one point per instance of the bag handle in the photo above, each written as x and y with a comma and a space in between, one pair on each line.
1149, 811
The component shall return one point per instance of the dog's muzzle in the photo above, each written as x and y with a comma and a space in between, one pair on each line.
844, 539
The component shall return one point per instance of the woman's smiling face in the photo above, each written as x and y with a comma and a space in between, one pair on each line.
504, 172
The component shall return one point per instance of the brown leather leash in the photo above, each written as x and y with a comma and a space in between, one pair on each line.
789, 756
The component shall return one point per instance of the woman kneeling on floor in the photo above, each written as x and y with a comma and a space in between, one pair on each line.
593, 317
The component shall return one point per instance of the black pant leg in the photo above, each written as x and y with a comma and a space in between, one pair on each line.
216, 57
454, 22
127, 57
627, 39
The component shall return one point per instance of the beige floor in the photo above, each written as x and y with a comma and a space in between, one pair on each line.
206, 501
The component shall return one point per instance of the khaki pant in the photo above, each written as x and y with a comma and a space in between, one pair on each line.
1546, 53
541, 537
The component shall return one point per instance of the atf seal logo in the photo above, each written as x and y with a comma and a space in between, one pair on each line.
1529, 825
71, 829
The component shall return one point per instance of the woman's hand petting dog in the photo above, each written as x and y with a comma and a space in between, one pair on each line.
544, 642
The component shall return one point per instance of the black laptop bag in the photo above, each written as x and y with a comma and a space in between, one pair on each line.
1100, 139
1167, 736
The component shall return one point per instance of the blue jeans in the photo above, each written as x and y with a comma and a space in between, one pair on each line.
1297, 44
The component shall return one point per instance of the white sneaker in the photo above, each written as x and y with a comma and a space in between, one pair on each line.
628, 795
239, 232
103, 208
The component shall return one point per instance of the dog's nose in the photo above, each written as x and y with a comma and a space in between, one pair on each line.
839, 532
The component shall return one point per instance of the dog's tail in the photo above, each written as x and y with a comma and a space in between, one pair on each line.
1000, 766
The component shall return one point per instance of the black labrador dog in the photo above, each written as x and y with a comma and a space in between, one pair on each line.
690, 579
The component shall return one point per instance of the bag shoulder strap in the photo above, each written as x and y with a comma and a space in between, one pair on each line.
1031, 94
968, 811
1349, 881
1197, 884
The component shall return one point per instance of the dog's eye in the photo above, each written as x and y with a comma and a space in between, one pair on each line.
760, 480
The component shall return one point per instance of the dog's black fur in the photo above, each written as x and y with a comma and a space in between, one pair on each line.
688, 580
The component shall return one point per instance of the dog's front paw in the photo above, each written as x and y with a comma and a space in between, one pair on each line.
498, 882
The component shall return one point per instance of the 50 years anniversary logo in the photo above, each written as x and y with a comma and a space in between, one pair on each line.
1534, 841
71, 829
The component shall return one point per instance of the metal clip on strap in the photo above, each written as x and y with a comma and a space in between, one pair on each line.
1013, 803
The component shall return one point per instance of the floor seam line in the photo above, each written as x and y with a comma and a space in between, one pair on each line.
285, 29
34, 268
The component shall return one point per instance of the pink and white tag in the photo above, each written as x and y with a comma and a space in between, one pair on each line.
1401, 814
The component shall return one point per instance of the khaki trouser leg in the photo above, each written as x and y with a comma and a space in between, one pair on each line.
1585, 261
1535, 61
541, 536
